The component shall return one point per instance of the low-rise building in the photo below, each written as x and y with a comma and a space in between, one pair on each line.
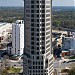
68, 43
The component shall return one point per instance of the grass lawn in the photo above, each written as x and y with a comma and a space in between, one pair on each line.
13, 70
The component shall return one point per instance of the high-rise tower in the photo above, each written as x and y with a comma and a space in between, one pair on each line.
38, 59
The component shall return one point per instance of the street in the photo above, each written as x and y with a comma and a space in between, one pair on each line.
59, 65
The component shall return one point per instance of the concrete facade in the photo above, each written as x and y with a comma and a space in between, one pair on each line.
38, 59
17, 38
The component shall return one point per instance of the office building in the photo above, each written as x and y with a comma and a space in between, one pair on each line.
38, 58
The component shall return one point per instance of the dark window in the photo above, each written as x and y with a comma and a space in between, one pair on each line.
32, 29
38, 67
37, 34
37, 20
37, 25
33, 67
32, 47
37, 48
43, 25
32, 20
37, 11
37, 29
37, 1
43, 52
32, 2
41, 62
32, 11
37, 6
43, 11
43, 29
37, 43
43, 15
43, 47
37, 57
32, 43
32, 52
37, 15
32, 25
37, 52
43, 6
43, 34
41, 67
32, 34
32, 15
43, 20
37, 39
32, 38
32, 6
43, 38
33, 62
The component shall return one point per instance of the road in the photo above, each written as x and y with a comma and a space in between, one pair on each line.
58, 65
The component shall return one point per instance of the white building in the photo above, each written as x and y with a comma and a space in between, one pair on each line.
17, 38
38, 59
68, 43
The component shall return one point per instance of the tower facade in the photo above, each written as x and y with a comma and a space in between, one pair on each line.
17, 38
38, 59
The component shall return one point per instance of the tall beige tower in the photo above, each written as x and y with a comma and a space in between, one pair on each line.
38, 59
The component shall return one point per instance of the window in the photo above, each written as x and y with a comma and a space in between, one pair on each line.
32, 11
33, 62
43, 29
43, 11
37, 29
33, 67
43, 6
37, 11
41, 67
37, 48
42, 63
32, 34
37, 52
37, 20
43, 15
32, 38
43, 47
32, 47
38, 15
37, 6
32, 43
37, 57
43, 34
32, 6
43, 20
37, 34
37, 1
32, 29
32, 52
37, 43
43, 52
32, 15
37, 39
38, 67
37, 25
32, 2
32, 20
32, 25
43, 38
